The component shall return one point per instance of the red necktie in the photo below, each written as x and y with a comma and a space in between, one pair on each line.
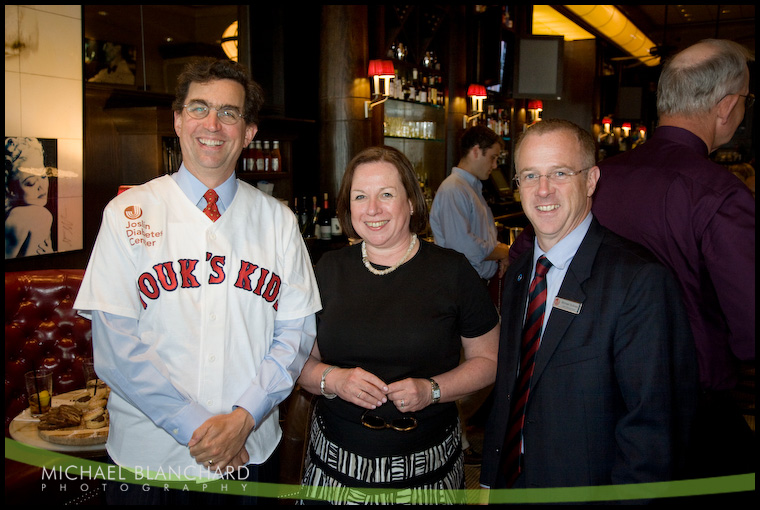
534, 320
211, 209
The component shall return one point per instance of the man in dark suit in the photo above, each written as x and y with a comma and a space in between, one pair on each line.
607, 390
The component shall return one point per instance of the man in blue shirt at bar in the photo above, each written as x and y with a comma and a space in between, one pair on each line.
460, 217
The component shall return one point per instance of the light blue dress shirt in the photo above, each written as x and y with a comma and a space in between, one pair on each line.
560, 255
462, 220
194, 189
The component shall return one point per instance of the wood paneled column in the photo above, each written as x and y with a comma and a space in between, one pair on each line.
343, 88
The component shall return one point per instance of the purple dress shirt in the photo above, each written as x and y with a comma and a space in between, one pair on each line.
699, 220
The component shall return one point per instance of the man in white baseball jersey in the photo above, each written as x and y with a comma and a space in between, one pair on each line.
201, 321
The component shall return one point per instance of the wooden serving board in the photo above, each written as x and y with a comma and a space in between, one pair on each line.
75, 436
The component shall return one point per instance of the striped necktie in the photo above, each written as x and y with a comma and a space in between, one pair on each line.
534, 320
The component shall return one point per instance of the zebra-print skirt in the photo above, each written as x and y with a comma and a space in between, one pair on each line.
337, 476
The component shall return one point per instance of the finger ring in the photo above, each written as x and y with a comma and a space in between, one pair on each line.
358, 395
402, 402
210, 462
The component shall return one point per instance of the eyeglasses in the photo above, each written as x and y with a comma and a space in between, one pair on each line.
226, 114
404, 424
749, 99
529, 179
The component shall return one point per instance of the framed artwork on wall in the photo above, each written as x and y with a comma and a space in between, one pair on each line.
109, 62
31, 197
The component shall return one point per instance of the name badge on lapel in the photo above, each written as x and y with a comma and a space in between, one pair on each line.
567, 305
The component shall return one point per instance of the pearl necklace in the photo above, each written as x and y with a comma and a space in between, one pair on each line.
382, 272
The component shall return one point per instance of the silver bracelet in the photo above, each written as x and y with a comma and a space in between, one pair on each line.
322, 383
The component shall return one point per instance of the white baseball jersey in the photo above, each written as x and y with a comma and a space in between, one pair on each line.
206, 296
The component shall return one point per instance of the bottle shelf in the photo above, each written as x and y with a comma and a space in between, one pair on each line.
417, 103
415, 138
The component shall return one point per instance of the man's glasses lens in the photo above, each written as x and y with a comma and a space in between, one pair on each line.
225, 115
529, 180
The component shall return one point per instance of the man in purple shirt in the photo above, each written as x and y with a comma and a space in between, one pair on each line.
699, 220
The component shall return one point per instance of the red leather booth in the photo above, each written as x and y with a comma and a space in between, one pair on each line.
42, 330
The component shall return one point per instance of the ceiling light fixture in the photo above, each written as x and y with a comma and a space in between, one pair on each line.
230, 41
615, 26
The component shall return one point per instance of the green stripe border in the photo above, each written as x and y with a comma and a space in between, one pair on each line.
75, 468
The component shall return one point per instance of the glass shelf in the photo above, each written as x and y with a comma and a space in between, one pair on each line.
413, 121
419, 139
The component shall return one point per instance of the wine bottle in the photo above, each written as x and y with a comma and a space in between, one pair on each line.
315, 217
325, 221
303, 217
335, 229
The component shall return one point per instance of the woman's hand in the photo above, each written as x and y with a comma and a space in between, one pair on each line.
409, 395
357, 386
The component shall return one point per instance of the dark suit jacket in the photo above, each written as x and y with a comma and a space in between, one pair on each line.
614, 388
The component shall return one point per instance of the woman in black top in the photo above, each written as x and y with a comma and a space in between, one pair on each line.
397, 313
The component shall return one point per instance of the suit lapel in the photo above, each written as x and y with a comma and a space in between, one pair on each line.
513, 314
571, 289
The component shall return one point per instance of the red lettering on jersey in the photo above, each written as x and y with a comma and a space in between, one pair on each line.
244, 275
148, 287
262, 280
268, 284
186, 268
217, 269
273, 289
166, 275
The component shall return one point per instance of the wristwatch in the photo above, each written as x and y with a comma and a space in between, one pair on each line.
436, 391
322, 383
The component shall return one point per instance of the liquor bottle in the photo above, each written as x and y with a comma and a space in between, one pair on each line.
490, 120
276, 160
422, 95
267, 157
249, 158
399, 85
303, 217
315, 217
325, 221
297, 211
259, 157
504, 123
433, 90
414, 88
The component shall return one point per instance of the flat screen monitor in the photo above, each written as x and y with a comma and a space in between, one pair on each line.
501, 183
538, 67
